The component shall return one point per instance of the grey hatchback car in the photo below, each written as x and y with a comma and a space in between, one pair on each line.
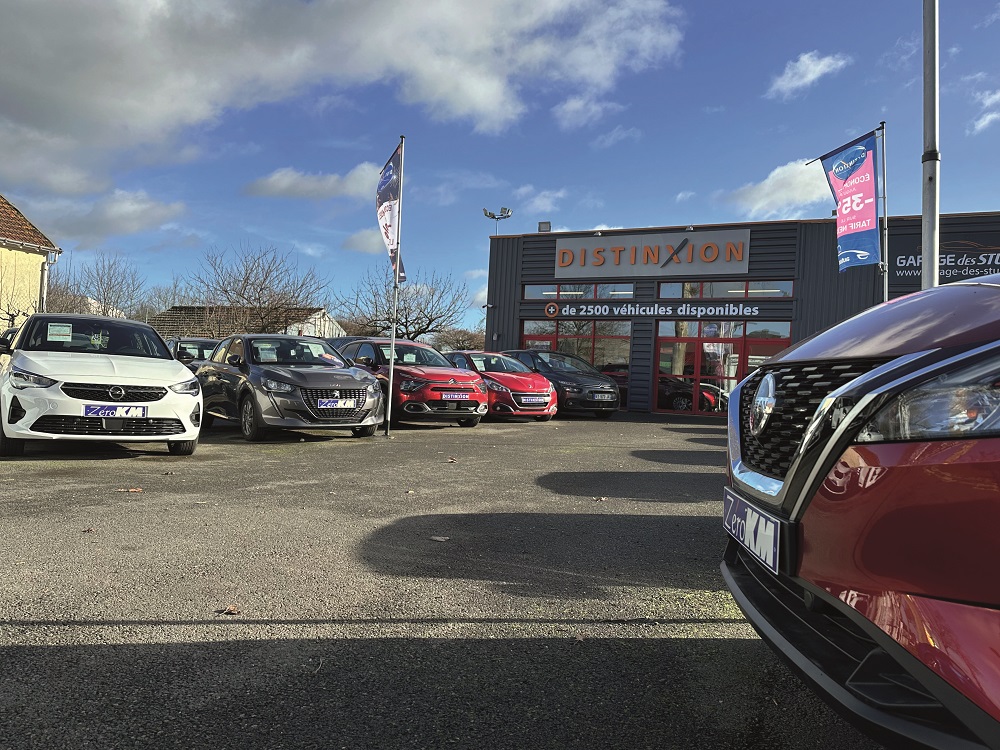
266, 381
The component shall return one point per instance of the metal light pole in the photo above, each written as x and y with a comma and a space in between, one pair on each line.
931, 197
505, 213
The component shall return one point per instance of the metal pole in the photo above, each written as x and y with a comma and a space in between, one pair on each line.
395, 288
931, 158
885, 223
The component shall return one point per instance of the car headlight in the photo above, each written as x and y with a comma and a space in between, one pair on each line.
373, 389
482, 385
569, 387
494, 386
276, 386
408, 386
190, 387
21, 379
963, 403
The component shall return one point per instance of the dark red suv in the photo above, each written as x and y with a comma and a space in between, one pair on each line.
863, 509
425, 385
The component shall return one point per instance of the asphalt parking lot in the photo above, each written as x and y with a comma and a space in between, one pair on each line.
515, 585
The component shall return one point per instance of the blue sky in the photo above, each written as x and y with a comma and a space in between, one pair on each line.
163, 130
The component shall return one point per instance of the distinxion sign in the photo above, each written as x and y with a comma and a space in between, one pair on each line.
709, 253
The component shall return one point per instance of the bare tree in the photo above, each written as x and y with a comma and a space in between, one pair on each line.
65, 295
113, 284
428, 304
162, 297
453, 339
16, 295
265, 290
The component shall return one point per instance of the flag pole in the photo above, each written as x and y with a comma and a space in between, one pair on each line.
885, 223
395, 289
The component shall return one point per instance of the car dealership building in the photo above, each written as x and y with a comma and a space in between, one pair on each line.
679, 315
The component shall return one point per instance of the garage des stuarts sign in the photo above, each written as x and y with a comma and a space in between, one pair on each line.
958, 259
703, 253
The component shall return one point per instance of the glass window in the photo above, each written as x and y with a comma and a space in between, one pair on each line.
723, 289
612, 355
235, 349
677, 328
578, 347
722, 329
614, 328
367, 350
221, 351
576, 291
768, 330
537, 344
615, 291
680, 290
539, 291
676, 358
575, 328
539, 327
770, 289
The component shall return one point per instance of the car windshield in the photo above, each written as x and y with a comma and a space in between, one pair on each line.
566, 363
496, 363
94, 336
197, 349
409, 354
285, 351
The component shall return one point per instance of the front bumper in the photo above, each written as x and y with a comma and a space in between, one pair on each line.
522, 404
855, 666
589, 401
50, 414
291, 411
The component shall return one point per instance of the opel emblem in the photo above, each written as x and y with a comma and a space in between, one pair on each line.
763, 405
116, 392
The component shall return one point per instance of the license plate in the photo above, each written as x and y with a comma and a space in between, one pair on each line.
454, 396
534, 399
336, 403
758, 531
603, 396
114, 412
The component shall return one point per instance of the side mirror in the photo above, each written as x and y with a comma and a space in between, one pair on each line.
4, 347
364, 361
185, 357
235, 360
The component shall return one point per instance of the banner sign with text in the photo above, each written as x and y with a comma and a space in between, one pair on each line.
664, 254
850, 171
387, 199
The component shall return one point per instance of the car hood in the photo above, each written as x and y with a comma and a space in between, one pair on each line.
582, 379
104, 368
436, 374
959, 315
319, 376
520, 381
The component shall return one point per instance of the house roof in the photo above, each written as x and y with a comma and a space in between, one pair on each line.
215, 321
17, 229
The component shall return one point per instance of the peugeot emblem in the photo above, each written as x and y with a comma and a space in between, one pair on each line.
336, 394
763, 405
116, 392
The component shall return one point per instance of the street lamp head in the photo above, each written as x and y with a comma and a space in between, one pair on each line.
488, 215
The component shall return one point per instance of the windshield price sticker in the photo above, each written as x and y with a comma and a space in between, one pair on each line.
59, 332
758, 531
336, 403
455, 396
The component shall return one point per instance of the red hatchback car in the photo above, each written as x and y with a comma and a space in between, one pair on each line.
425, 385
515, 391
862, 509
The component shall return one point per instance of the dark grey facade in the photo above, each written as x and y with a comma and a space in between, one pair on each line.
800, 252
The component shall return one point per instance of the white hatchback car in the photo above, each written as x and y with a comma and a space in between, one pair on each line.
85, 377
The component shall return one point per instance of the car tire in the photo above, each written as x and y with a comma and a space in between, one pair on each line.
362, 432
182, 447
543, 417
250, 422
681, 403
10, 447
604, 414
471, 422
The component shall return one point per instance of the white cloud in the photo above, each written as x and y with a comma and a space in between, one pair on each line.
615, 136
578, 111
479, 297
367, 241
456, 183
899, 56
116, 214
991, 19
477, 273
133, 78
684, 195
539, 201
286, 182
988, 99
984, 122
803, 72
786, 193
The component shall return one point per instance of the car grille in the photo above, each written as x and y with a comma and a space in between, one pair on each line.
456, 388
101, 392
799, 389
519, 400
311, 397
54, 425
843, 651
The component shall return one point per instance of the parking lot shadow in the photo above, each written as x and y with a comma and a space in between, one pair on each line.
684, 458
546, 554
644, 486
370, 693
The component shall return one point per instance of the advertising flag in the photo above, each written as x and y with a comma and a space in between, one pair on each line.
850, 170
387, 204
